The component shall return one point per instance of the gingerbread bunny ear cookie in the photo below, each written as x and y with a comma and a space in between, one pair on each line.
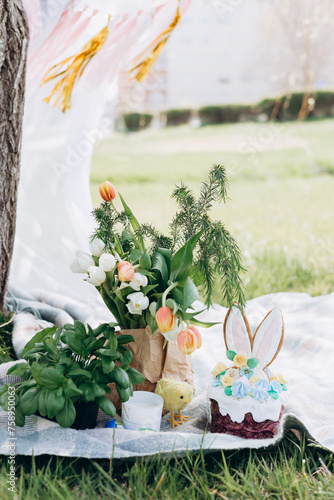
237, 332
268, 338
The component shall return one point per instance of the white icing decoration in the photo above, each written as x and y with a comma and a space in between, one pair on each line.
237, 408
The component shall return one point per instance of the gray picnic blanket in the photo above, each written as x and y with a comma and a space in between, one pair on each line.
306, 361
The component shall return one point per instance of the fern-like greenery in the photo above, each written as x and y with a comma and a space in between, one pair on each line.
216, 256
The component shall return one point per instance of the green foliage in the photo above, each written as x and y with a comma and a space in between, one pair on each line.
56, 376
290, 471
137, 121
211, 115
177, 116
6, 348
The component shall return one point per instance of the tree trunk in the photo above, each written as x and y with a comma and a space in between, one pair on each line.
13, 56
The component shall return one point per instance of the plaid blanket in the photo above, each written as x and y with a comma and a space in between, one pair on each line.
306, 361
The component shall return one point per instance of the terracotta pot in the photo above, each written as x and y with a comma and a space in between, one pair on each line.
154, 361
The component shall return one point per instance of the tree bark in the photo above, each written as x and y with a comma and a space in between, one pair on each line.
13, 56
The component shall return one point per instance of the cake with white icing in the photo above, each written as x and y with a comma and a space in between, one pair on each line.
247, 398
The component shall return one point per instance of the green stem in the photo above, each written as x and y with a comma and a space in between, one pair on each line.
166, 292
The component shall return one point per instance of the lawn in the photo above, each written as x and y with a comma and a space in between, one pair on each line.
281, 212
281, 189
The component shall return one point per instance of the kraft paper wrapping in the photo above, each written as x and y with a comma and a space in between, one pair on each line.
154, 361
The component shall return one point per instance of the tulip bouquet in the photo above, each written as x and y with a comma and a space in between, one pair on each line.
149, 279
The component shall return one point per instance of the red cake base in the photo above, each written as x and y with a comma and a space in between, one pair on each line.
248, 428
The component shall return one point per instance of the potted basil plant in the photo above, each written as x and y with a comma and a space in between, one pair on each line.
66, 373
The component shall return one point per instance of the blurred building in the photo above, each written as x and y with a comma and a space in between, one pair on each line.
236, 51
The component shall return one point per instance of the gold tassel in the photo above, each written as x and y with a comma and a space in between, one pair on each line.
76, 65
144, 67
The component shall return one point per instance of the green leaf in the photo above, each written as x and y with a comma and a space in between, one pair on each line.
108, 353
52, 378
284, 387
134, 223
166, 253
124, 394
204, 324
160, 264
145, 261
252, 362
98, 390
125, 339
177, 294
55, 404
127, 357
36, 370
121, 377
42, 401
79, 372
38, 338
106, 405
71, 390
74, 342
66, 417
107, 364
273, 394
135, 255
182, 260
135, 377
228, 391
19, 417
29, 401
150, 321
18, 369
50, 345
87, 390
230, 355
79, 329
190, 293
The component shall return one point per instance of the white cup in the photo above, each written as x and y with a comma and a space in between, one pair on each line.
143, 411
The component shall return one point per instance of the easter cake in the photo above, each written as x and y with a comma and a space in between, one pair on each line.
247, 399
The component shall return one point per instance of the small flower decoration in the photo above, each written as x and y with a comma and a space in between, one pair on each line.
240, 360
247, 372
226, 380
219, 368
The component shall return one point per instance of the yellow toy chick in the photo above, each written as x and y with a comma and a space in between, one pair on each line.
176, 396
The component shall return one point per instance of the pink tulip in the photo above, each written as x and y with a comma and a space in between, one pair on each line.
125, 271
165, 319
107, 191
187, 341
198, 335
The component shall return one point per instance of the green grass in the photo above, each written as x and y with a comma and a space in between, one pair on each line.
281, 190
290, 471
281, 213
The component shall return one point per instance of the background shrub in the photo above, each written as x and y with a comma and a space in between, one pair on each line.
136, 121
177, 116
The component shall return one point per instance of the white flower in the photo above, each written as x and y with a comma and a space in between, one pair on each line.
153, 308
96, 276
96, 246
107, 262
173, 334
137, 303
233, 372
137, 281
81, 262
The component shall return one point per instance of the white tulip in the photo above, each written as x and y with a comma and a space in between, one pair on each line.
96, 276
81, 262
137, 303
107, 262
153, 308
173, 334
137, 281
96, 246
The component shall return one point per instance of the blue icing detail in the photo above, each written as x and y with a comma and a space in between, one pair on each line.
276, 386
247, 372
215, 382
241, 388
268, 371
259, 394
263, 384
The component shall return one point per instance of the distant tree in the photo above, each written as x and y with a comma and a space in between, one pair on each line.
13, 56
303, 37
